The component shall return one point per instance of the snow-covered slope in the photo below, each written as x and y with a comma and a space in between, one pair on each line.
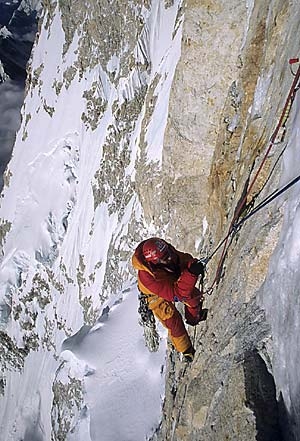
70, 219
114, 146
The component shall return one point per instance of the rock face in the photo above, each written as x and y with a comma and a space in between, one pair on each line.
137, 138
231, 82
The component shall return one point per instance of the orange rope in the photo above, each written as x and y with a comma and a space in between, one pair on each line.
281, 123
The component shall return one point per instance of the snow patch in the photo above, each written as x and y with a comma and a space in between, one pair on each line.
280, 292
260, 94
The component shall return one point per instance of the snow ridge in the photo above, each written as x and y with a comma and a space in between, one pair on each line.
70, 221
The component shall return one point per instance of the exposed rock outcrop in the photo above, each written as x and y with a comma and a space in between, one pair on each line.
135, 138
231, 82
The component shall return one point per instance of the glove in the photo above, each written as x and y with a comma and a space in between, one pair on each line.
196, 267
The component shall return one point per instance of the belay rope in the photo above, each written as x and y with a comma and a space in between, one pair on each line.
147, 319
235, 225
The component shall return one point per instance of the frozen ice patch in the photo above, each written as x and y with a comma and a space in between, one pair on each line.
260, 94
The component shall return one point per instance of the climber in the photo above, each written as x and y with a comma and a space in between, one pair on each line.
166, 275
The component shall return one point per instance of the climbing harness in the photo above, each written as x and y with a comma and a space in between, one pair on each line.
276, 138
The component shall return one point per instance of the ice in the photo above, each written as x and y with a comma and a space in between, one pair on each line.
280, 296
261, 91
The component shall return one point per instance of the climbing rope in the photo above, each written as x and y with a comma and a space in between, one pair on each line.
234, 225
266, 201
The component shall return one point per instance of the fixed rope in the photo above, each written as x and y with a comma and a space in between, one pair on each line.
266, 201
234, 224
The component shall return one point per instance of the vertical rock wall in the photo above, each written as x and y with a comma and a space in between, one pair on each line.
109, 84
211, 44
230, 87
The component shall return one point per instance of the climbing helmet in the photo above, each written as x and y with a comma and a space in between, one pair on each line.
156, 250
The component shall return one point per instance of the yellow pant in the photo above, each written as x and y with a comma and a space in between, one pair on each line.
168, 315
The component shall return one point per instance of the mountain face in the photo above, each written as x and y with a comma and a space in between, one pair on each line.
17, 34
18, 26
232, 81
151, 118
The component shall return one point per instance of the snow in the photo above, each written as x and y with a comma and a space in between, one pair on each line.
280, 296
249, 9
123, 381
58, 234
169, 54
261, 90
27, 403
121, 392
4, 32
27, 6
56, 253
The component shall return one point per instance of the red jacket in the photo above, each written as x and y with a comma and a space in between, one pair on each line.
175, 282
